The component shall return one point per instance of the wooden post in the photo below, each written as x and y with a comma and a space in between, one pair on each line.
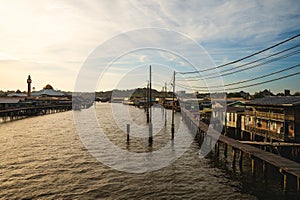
241, 161
150, 94
284, 180
233, 157
173, 107
264, 169
147, 103
217, 146
242, 135
165, 104
225, 132
225, 150
150, 134
128, 131
253, 167
298, 185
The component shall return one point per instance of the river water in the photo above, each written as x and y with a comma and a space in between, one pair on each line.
43, 158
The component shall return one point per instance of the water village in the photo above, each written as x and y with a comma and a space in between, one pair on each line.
265, 129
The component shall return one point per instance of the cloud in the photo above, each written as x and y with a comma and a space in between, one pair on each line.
64, 33
6, 57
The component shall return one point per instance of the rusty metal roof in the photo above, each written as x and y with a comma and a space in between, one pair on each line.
276, 101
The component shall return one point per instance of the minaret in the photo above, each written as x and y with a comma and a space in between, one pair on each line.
29, 86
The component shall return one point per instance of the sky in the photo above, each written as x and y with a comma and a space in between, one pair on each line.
105, 45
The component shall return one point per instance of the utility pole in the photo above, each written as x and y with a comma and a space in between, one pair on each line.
150, 92
150, 103
165, 103
173, 107
147, 102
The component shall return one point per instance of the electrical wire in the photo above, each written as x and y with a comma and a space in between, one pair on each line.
240, 66
255, 78
244, 58
245, 86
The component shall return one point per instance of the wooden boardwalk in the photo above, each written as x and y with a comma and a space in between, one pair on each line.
22, 112
284, 165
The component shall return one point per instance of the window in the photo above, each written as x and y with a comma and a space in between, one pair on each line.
272, 126
230, 117
258, 122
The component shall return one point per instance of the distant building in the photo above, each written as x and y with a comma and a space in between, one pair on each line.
45, 97
245, 95
48, 91
18, 93
287, 93
10, 102
273, 118
232, 120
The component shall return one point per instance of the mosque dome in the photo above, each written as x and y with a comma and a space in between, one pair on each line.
48, 87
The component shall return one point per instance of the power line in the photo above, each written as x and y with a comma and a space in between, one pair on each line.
244, 58
245, 86
247, 68
211, 76
268, 81
255, 78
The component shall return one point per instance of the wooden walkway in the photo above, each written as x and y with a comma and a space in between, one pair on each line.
284, 165
22, 112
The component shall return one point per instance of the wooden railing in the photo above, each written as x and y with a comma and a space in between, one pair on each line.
264, 132
273, 116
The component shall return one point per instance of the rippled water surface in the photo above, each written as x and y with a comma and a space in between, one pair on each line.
43, 158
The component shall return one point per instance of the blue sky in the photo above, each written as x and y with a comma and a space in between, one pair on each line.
52, 40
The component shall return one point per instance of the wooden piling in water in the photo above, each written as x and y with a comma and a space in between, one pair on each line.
233, 157
253, 167
264, 170
128, 132
287, 167
225, 150
217, 149
298, 185
150, 133
241, 161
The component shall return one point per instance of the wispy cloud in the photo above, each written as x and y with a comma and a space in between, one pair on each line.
62, 34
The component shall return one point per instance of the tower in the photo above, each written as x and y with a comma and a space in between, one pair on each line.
29, 86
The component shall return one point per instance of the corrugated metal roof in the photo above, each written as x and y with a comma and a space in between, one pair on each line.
9, 100
47, 92
276, 101
17, 95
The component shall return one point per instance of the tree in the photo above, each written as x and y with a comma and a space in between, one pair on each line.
297, 94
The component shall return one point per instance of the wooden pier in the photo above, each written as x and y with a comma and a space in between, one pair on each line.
288, 168
19, 113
